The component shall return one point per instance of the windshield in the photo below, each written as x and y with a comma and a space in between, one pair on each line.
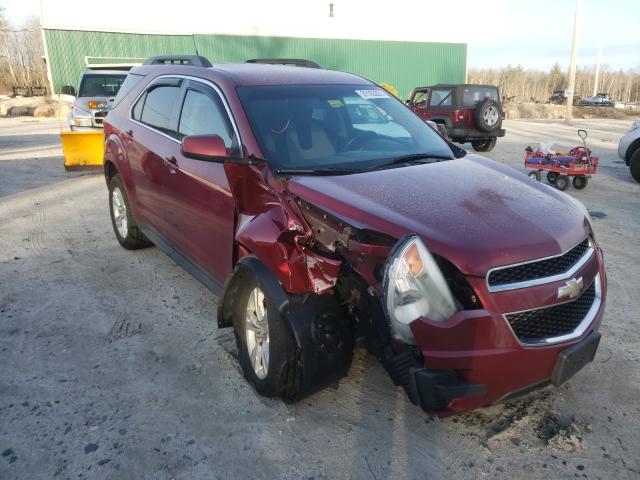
100, 85
315, 127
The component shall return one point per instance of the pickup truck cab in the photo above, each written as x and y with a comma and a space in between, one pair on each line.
96, 89
327, 217
470, 113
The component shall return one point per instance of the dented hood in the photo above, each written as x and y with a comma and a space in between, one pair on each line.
475, 212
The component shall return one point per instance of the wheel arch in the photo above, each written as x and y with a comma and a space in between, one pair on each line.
442, 119
322, 336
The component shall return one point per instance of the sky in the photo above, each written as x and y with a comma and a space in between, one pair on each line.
533, 34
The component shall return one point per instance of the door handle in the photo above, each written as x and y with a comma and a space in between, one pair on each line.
129, 135
171, 163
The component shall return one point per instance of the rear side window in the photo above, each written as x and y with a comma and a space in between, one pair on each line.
441, 97
473, 95
158, 107
129, 84
204, 114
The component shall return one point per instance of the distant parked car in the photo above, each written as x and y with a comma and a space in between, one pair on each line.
97, 88
629, 149
599, 100
560, 98
470, 113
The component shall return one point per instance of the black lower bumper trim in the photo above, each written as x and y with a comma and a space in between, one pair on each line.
574, 358
436, 388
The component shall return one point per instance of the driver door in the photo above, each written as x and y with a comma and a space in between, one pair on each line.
201, 210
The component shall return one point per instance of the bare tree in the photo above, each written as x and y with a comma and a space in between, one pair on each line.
524, 85
21, 54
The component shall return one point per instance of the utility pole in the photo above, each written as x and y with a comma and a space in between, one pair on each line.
568, 114
595, 81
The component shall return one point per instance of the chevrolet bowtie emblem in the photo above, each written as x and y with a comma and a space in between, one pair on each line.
571, 289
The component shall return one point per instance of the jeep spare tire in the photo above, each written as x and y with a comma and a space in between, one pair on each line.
488, 115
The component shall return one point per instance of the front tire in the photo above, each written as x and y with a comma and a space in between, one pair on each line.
124, 223
534, 175
266, 347
484, 145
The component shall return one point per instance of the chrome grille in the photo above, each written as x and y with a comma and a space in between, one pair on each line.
537, 271
539, 325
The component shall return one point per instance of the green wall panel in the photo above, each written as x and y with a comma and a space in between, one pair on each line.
67, 50
404, 65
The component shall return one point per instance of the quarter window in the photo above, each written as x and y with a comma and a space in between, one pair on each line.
158, 108
204, 114
137, 109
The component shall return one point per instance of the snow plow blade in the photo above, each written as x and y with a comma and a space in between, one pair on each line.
83, 150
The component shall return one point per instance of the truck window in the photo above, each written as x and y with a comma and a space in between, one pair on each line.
420, 99
93, 85
441, 97
473, 95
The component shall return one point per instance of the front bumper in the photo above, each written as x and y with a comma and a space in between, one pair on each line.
474, 359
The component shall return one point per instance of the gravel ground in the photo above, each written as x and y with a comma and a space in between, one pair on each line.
111, 364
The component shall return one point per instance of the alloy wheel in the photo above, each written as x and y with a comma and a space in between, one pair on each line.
257, 333
119, 209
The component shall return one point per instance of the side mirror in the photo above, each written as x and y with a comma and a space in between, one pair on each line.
69, 90
209, 148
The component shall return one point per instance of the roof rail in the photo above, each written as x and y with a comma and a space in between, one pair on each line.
297, 62
191, 60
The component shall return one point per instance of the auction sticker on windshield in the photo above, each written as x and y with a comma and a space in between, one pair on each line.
369, 94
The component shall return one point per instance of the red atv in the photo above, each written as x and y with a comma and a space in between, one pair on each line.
470, 113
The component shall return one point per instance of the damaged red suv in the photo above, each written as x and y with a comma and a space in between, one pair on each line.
328, 217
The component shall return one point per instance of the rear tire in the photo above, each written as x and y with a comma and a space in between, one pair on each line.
551, 177
562, 182
634, 165
124, 223
280, 377
579, 182
484, 145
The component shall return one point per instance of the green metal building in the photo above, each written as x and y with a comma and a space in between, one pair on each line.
402, 64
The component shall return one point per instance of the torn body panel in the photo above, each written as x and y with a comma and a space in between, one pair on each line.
269, 226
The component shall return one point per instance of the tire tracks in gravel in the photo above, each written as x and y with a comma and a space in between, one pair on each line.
36, 238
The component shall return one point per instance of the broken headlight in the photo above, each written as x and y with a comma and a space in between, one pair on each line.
414, 287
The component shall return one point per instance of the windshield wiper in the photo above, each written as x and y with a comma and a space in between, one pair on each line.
414, 157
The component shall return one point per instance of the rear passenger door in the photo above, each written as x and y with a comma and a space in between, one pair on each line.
151, 140
201, 211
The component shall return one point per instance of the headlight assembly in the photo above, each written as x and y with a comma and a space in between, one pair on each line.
414, 287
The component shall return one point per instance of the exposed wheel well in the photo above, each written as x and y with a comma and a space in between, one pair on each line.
109, 171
